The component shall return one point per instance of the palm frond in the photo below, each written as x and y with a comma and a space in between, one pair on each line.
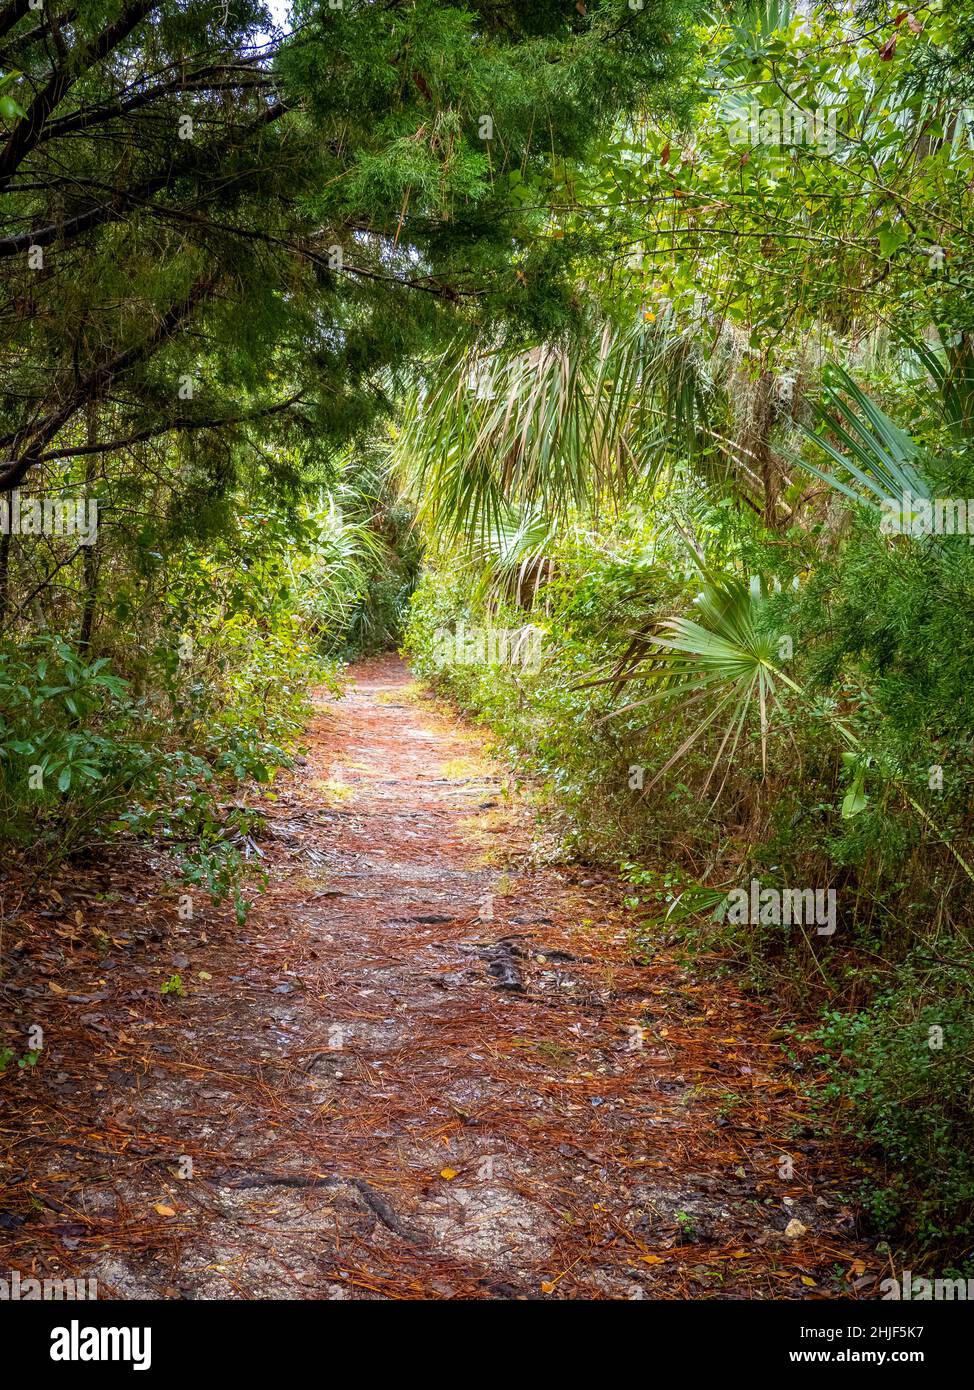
555, 430
727, 654
878, 463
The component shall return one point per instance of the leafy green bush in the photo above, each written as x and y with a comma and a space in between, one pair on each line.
214, 653
66, 727
903, 1088
81, 758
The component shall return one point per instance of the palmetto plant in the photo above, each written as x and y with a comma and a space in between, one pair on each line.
332, 576
874, 460
728, 654
731, 658
514, 559
725, 655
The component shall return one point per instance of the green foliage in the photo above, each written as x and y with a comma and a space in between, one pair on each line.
8, 1055
47, 693
79, 755
547, 721
220, 255
220, 647
903, 1082
287, 224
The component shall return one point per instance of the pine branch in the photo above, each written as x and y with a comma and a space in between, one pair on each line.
28, 443
179, 424
27, 131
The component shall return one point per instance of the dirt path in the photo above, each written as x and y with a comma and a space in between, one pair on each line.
424, 1068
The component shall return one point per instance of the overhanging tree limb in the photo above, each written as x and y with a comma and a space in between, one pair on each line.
117, 204
28, 129
179, 424
27, 444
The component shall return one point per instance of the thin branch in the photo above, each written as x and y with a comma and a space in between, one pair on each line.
180, 423
27, 443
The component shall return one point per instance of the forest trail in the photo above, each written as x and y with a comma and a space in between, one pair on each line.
425, 1067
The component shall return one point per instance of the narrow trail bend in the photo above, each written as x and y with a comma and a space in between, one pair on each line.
425, 1067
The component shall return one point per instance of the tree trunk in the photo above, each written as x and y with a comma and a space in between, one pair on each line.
89, 563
